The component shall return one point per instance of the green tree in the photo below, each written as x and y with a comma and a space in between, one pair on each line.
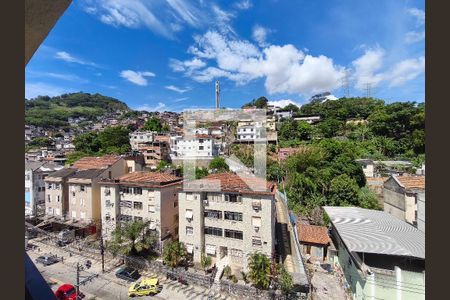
165, 128
219, 164
330, 127
153, 124
174, 253
87, 142
130, 238
344, 191
40, 142
259, 273
304, 131
284, 279
227, 272
200, 172
291, 107
261, 102
114, 140
368, 199
205, 261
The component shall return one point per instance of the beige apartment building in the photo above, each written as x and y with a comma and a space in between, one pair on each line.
222, 216
57, 194
401, 195
146, 196
83, 185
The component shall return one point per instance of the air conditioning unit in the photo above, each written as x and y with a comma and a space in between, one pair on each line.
256, 228
205, 202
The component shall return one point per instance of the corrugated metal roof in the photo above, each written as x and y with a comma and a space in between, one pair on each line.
373, 231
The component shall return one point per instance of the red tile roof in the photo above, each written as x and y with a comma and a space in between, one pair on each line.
92, 162
412, 182
313, 234
148, 177
230, 182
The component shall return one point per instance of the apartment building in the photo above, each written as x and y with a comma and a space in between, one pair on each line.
222, 216
57, 193
201, 146
84, 188
154, 152
146, 196
35, 174
140, 137
401, 195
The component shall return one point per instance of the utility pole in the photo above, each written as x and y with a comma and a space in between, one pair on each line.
78, 280
217, 94
346, 84
368, 89
102, 251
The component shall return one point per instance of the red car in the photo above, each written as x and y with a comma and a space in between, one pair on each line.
67, 292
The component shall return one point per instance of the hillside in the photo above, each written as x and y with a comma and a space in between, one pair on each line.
50, 112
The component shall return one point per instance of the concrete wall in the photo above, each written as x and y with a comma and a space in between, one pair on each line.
421, 211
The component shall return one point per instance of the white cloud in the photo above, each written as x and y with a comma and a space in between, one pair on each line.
243, 5
283, 102
223, 19
186, 66
186, 11
368, 69
62, 55
418, 14
136, 77
159, 107
414, 36
32, 90
259, 34
177, 89
180, 99
284, 68
406, 70
62, 76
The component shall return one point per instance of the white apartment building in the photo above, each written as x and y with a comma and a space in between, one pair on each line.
199, 146
227, 220
139, 137
146, 196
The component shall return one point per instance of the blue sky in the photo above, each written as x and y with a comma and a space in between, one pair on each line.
166, 54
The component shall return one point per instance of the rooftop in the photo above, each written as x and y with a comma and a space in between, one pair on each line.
42, 165
411, 182
87, 174
149, 177
313, 234
232, 183
63, 172
92, 162
373, 231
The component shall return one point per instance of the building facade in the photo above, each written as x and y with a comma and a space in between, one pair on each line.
140, 137
57, 193
145, 196
227, 223
400, 196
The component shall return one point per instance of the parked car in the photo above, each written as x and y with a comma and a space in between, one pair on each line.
47, 260
128, 274
67, 292
146, 287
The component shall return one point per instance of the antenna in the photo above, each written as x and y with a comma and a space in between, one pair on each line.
368, 89
217, 94
346, 84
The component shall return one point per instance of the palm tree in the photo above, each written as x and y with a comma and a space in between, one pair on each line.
174, 252
132, 237
259, 265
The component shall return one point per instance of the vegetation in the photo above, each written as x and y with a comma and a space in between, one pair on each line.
284, 279
112, 140
200, 172
218, 164
50, 112
227, 272
205, 261
261, 102
131, 238
174, 253
153, 124
259, 273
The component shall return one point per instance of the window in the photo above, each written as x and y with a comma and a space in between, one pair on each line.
83, 215
82, 188
189, 214
49, 186
58, 199
125, 218
175, 204
256, 242
48, 198
82, 202
138, 191
126, 190
130, 169
256, 221
233, 198
138, 218
234, 234
189, 230
107, 191
234, 216
57, 186
137, 205
125, 204
213, 231
210, 249
236, 252
214, 214
151, 208
107, 217
200, 147
109, 174
74, 214
200, 141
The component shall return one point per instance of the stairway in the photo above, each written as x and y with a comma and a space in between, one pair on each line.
220, 265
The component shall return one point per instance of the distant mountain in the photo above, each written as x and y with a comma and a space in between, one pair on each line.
51, 112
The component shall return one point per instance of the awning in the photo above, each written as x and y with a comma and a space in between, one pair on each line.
210, 249
152, 226
188, 214
190, 248
256, 221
